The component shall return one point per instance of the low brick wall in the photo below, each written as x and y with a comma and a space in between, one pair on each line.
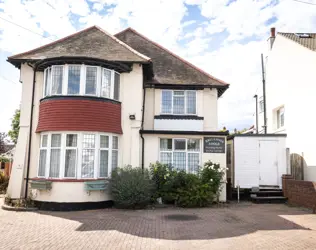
300, 193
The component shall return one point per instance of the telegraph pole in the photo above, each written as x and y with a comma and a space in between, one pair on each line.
264, 97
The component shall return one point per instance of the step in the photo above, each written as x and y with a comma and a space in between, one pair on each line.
268, 193
269, 199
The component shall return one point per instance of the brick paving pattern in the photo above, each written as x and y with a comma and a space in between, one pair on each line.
237, 226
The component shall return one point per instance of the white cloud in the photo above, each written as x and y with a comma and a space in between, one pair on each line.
97, 6
162, 21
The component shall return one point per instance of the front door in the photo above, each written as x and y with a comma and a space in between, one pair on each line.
268, 163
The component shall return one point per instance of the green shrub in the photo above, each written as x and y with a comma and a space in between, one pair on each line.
212, 174
184, 189
4, 182
131, 187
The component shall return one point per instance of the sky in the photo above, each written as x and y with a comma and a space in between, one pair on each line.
223, 37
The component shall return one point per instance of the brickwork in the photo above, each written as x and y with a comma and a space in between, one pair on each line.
68, 114
300, 193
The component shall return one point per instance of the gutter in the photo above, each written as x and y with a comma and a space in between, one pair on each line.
31, 127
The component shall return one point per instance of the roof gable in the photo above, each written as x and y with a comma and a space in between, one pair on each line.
92, 42
168, 67
308, 42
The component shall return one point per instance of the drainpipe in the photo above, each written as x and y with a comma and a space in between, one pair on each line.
142, 127
31, 127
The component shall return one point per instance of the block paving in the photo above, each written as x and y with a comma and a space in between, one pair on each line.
235, 226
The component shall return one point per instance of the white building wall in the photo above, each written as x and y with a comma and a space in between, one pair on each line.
152, 155
16, 184
206, 107
247, 160
290, 77
131, 96
69, 192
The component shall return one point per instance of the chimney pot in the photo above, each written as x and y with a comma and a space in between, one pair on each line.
272, 32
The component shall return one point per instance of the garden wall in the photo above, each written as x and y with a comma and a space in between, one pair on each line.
300, 193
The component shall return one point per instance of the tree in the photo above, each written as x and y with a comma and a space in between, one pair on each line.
15, 126
3, 142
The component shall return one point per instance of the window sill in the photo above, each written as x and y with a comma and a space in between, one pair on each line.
66, 180
178, 117
79, 97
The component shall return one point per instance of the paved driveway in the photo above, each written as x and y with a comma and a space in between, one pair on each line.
242, 226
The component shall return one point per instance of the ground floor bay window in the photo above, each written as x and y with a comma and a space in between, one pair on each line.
181, 153
73, 155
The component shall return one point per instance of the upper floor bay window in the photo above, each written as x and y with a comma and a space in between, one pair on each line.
178, 102
72, 79
182, 154
77, 155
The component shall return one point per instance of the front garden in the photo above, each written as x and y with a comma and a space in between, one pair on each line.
138, 188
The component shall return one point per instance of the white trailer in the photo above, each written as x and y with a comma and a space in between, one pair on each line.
256, 160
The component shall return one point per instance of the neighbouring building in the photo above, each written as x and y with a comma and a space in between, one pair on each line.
92, 102
290, 93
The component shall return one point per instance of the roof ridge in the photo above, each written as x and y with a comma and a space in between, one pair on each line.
123, 44
173, 54
79, 32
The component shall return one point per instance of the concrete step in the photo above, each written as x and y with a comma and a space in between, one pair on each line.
268, 199
268, 193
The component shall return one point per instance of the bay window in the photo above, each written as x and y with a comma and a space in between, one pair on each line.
178, 102
77, 155
55, 155
71, 155
43, 156
72, 79
181, 154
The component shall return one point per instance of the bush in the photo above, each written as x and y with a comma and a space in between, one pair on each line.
212, 174
4, 182
194, 193
184, 189
131, 187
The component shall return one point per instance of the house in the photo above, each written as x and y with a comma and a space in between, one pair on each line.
290, 93
92, 102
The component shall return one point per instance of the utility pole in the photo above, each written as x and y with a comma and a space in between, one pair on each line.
257, 129
264, 97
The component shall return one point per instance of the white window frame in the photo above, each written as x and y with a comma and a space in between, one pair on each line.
61, 153
82, 87
261, 105
185, 102
104, 149
278, 114
79, 150
63, 166
47, 148
80, 82
85, 81
182, 151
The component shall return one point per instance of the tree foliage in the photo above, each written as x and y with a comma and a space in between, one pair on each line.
3, 141
15, 126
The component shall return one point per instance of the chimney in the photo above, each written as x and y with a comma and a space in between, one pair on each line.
271, 38
272, 32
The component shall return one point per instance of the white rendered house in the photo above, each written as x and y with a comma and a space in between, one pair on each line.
92, 102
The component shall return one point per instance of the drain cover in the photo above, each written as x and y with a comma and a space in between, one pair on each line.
181, 217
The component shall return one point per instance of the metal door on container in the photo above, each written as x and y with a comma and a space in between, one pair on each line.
268, 163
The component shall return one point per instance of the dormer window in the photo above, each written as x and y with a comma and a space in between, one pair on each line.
74, 79
178, 102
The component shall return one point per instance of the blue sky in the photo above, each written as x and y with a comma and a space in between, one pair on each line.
223, 37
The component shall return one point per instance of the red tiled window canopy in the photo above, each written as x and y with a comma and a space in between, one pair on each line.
78, 113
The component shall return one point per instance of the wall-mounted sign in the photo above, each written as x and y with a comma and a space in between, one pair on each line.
214, 145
